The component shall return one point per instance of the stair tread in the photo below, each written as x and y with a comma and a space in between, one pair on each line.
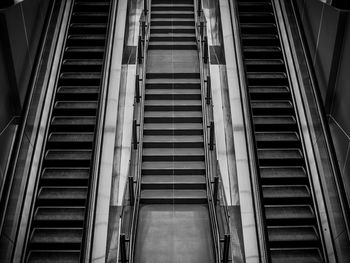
173, 138
173, 152
175, 179
289, 212
291, 233
62, 173
59, 214
59, 235
174, 194
173, 165
282, 191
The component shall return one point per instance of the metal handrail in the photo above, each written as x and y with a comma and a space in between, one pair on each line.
214, 182
134, 182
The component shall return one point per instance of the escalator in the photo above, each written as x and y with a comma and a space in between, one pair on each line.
58, 222
173, 214
291, 226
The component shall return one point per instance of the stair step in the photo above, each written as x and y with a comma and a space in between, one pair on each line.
292, 236
169, 22
56, 238
193, 196
68, 157
262, 52
289, 214
61, 196
173, 168
173, 94
265, 65
66, 140
65, 176
59, 216
175, 154
272, 107
75, 107
269, 92
88, 28
78, 93
57, 256
172, 117
286, 194
158, 45
173, 182
73, 123
172, 141
280, 157
300, 255
173, 7
172, 14
175, 128
178, 37
275, 123
176, 105
285, 174
277, 139
260, 28
267, 78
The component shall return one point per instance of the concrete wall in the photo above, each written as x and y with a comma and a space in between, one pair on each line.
327, 31
20, 28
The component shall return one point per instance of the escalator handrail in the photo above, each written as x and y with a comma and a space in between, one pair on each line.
99, 134
250, 141
324, 123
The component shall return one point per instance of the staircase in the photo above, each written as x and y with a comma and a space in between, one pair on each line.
174, 218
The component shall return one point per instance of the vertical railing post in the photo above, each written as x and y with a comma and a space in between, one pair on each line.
225, 254
139, 46
208, 97
205, 52
143, 30
131, 190
134, 134
201, 29
137, 88
199, 8
145, 8
211, 136
216, 189
123, 248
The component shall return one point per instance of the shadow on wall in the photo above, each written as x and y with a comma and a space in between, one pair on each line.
20, 29
327, 31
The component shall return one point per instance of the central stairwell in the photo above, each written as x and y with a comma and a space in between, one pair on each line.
173, 219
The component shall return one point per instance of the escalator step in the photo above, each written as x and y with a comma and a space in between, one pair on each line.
277, 139
59, 216
173, 94
61, 196
56, 238
285, 174
65, 176
178, 141
300, 255
64, 140
54, 256
292, 236
287, 214
286, 194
